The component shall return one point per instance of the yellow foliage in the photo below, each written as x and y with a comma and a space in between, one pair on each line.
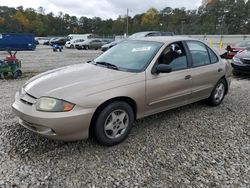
151, 17
21, 18
2, 20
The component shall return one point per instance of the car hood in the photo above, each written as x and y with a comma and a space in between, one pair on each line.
243, 54
81, 78
235, 48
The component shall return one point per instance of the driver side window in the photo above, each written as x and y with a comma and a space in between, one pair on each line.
174, 55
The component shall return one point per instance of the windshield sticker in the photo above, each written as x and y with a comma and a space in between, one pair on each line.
142, 49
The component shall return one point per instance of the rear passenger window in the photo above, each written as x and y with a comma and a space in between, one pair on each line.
213, 57
199, 53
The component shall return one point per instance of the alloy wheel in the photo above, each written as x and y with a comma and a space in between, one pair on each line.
116, 124
219, 92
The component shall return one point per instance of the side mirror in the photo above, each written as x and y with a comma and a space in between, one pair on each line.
163, 68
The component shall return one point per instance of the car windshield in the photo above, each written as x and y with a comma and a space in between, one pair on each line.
131, 55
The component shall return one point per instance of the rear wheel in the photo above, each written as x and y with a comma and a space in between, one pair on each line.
5, 74
86, 47
17, 74
218, 93
114, 123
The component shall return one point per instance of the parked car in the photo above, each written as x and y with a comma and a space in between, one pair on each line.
233, 49
42, 40
91, 44
52, 40
59, 41
241, 62
137, 35
71, 43
150, 34
46, 42
107, 46
132, 80
78, 45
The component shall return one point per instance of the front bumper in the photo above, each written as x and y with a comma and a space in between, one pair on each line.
68, 126
238, 67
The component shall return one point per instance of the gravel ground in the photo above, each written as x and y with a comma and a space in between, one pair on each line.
192, 146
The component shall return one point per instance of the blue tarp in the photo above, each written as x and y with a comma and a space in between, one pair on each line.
17, 42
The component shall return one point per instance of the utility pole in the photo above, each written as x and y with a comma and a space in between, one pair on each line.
127, 23
182, 26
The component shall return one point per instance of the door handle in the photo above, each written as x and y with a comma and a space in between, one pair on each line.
188, 77
220, 69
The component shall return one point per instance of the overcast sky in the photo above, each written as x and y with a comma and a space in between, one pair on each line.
100, 8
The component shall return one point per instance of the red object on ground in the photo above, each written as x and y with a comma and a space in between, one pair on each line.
11, 58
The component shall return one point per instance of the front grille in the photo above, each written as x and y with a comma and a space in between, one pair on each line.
31, 96
26, 102
246, 61
28, 99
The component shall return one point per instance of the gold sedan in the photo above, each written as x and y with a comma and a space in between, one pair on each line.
134, 79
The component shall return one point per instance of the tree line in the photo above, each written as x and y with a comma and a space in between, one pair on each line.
212, 17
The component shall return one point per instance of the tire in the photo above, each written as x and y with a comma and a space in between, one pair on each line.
17, 74
20, 73
114, 123
5, 74
86, 47
235, 73
71, 46
218, 93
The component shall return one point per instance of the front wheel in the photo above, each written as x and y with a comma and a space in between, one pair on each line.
114, 123
218, 93
235, 73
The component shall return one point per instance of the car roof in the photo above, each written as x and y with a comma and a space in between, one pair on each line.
164, 39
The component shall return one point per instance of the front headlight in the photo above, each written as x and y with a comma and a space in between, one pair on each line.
48, 104
237, 60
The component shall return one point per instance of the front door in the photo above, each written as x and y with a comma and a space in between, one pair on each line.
169, 90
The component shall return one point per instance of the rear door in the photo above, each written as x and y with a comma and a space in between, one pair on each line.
206, 69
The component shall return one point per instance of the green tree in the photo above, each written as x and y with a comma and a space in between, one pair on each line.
151, 19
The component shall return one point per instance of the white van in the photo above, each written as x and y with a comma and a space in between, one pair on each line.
81, 36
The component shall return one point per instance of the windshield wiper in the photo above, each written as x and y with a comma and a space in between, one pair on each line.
106, 64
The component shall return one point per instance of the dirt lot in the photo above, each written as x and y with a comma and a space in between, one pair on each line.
192, 146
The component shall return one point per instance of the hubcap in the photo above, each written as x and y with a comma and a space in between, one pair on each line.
116, 124
219, 92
